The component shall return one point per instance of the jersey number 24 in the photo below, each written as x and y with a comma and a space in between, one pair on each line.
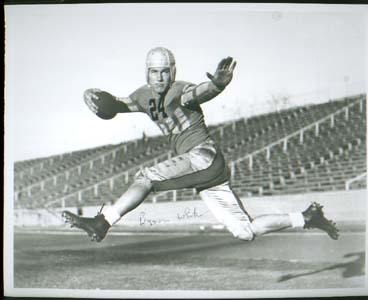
157, 109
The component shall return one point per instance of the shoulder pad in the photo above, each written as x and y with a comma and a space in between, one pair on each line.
140, 95
142, 91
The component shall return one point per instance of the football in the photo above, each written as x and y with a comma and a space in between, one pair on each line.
106, 104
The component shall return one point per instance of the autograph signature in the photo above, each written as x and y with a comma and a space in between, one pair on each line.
186, 214
143, 220
190, 213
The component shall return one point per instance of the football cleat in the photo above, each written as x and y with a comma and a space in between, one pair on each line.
96, 227
314, 218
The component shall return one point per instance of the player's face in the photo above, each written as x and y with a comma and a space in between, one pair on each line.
159, 79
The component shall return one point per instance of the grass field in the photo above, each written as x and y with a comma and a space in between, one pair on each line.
192, 261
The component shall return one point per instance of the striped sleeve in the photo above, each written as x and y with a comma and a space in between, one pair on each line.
200, 93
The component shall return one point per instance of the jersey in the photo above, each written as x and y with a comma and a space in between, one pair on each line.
183, 125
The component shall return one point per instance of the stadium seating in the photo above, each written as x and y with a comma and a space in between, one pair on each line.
314, 148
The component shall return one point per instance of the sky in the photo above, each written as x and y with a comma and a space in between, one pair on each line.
307, 53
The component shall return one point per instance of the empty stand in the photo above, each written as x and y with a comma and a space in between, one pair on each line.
300, 150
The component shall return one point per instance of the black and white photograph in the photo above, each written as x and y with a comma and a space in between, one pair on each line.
185, 150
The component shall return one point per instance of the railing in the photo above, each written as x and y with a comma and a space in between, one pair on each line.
50, 161
284, 140
299, 132
89, 163
125, 173
85, 162
111, 179
267, 148
351, 180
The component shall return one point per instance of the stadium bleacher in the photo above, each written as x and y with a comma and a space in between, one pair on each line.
314, 148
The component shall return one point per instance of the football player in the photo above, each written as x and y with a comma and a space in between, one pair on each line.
175, 106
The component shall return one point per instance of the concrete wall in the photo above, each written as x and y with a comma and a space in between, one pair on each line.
345, 206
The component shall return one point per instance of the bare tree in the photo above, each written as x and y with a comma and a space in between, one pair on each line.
278, 102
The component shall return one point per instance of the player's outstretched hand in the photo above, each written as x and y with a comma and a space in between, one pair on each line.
224, 73
88, 97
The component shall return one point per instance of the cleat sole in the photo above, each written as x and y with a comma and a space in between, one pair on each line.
76, 221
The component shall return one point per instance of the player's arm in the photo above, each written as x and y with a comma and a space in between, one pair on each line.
208, 90
100, 102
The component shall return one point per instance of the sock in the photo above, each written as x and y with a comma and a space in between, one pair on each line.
111, 215
297, 219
